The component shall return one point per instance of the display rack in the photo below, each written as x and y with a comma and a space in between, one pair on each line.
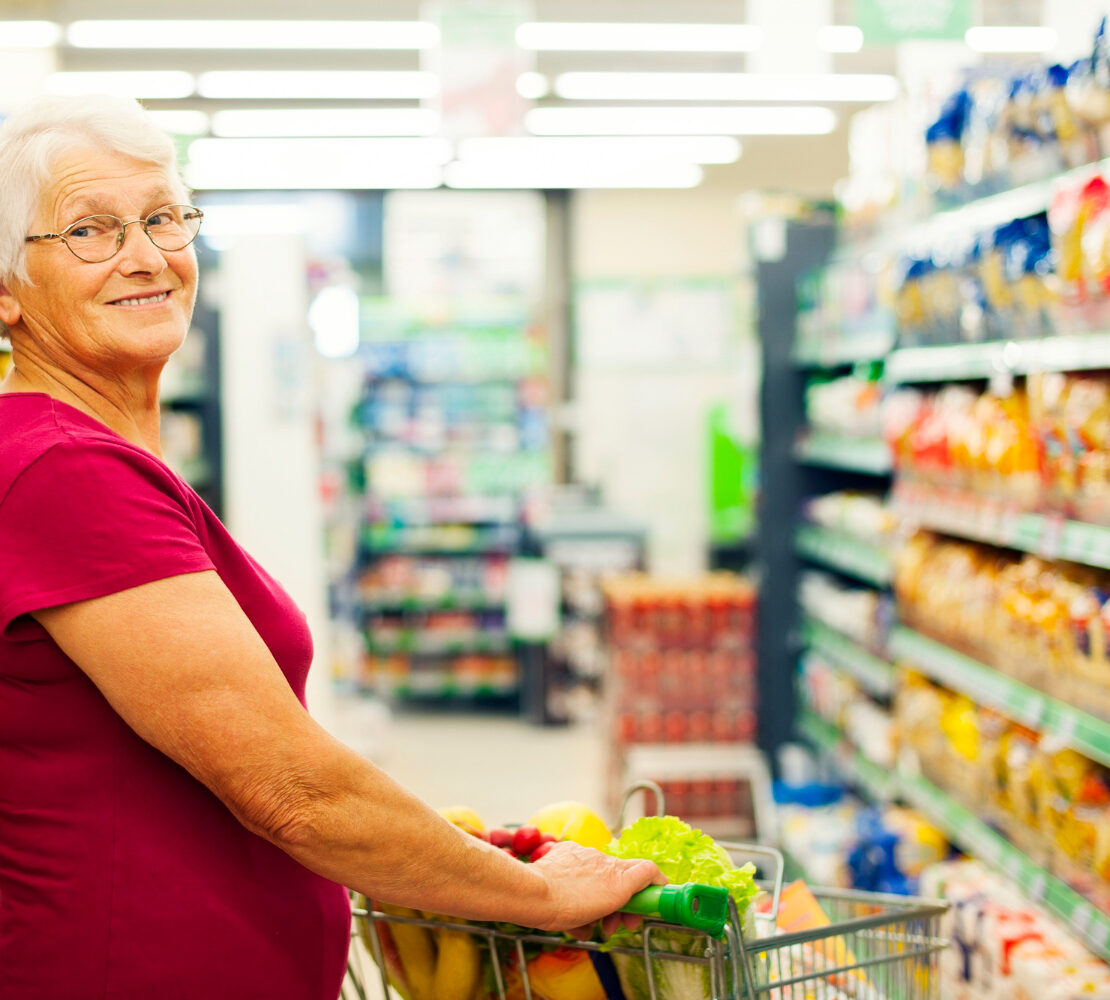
873, 672
980, 519
454, 447
1072, 727
962, 828
962, 514
1082, 352
863, 455
845, 553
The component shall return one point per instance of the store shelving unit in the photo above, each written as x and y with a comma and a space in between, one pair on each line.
1071, 726
942, 363
964, 829
977, 518
873, 672
845, 553
863, 455
453, 443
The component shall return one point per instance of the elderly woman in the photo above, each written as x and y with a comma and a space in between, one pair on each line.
172, 821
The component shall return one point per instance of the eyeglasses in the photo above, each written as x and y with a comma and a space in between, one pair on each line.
98, 238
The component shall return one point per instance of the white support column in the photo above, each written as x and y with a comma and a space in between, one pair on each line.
271, 468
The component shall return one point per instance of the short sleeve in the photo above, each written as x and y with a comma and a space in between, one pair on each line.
86, 519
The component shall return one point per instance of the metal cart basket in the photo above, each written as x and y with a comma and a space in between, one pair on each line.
875, 947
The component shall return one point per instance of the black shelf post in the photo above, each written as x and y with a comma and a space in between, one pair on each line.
783, 481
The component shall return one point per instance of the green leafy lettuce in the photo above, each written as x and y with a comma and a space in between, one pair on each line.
683, 854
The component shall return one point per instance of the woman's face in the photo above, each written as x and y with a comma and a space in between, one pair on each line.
126, 313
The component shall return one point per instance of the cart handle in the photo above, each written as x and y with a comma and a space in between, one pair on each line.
702, 907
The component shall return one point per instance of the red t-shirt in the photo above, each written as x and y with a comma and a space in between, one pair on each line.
121, 876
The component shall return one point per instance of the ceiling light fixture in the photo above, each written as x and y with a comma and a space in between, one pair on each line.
318, 84
29, 34
800, 120
322, 176
543, 177
164, 84
839, 38
810, 87
630, 37
181, 122
532, 86
258, 34
325, 122
577, 149
1011, 39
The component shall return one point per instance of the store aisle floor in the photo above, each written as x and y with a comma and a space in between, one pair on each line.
498, 765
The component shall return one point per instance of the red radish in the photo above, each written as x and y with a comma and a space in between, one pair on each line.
549, 838
543, 849
500, 837
526, 840
510, 852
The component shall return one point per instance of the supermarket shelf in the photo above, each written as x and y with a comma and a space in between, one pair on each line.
973, 836
1046, 535
445, 602
845, 553
973, 217
873, 673
879, 783
1084, 733
410, 643
964, 829
867, 455
841, 349
1081, 352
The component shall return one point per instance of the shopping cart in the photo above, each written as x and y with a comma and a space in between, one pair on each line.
875, 947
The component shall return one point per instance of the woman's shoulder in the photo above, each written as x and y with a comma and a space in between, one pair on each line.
36, 428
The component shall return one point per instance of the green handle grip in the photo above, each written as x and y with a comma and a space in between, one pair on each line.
701, 907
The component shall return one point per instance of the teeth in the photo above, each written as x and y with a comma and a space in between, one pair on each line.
138, 302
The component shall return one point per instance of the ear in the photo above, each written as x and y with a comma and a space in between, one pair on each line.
9, 307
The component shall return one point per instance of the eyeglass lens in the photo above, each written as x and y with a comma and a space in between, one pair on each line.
99, 237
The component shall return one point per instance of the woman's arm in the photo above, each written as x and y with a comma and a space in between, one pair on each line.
184, 667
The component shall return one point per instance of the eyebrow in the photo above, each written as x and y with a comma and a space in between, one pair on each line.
96, 204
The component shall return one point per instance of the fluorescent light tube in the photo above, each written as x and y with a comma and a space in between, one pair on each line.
319, 176
29, 34
1011, 39
820, 87
166, 83
532, 86
325, 122
181, 122
570, 175
801, 120
630, 37
256, 153
318, 84
577, 149
258, 34
839, 38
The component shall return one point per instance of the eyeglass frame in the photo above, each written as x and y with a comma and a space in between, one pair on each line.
122, 232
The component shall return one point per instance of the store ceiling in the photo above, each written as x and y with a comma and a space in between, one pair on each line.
807, 164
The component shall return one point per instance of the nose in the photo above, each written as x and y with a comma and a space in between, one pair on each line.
138, 254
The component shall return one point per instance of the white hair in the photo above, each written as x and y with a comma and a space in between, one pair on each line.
46, 128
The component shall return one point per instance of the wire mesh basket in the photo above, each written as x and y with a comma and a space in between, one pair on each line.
874, 947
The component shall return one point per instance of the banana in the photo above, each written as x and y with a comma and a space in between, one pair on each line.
458, 966
417, 953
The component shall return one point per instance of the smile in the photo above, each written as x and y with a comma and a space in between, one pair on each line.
145, 300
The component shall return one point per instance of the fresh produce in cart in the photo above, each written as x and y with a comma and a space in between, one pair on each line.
683, 854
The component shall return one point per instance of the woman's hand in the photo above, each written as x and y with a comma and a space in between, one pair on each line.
586, 885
